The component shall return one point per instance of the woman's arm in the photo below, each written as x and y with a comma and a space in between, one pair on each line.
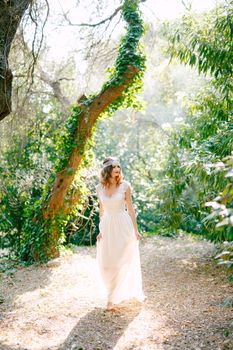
101, 209
131, 211
101, 212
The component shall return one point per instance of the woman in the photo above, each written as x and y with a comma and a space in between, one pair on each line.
118, 240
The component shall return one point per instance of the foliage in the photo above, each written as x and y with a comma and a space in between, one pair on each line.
205, 137
35, 233
226, 258
25, 167
206, 43
139, 138
222, 213
83, 229
189, 178
222, 204
129, 54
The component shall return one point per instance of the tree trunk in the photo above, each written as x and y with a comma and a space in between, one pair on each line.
129, 65
87, 119
11, 13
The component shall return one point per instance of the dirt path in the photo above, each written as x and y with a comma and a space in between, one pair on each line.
60, 305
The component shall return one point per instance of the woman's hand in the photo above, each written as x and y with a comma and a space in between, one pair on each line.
138, 235
99, 236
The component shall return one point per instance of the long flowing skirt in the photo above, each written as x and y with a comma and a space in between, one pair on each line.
118, 258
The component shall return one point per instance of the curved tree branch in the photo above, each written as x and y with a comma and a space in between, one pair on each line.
118, 9
88, 119
93, 24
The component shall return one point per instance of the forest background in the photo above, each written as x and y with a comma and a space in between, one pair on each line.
174, 139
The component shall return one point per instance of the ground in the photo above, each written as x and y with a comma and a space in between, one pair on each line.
61, 305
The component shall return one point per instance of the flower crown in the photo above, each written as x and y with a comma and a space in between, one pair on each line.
112, 162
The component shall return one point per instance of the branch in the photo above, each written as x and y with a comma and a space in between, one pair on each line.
87, 120
56, 87
35, 54
98, 23
93, 24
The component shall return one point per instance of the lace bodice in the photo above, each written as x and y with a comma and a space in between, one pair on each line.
116, 202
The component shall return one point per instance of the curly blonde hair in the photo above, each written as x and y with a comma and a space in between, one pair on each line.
105, 174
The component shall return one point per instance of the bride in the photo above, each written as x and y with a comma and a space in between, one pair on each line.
117, 251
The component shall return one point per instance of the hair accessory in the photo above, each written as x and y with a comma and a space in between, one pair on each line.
112, 162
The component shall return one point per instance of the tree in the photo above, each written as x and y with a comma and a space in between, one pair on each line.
47, 217
11, 13
198, 146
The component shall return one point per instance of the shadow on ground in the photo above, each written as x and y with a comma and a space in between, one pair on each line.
100, 329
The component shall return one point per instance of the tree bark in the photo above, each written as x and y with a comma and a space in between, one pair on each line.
11, 13
87, 120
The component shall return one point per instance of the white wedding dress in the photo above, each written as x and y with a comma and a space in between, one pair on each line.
117, 251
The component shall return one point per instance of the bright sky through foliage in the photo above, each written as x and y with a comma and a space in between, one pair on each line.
168, 9
162, 9
63, 40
